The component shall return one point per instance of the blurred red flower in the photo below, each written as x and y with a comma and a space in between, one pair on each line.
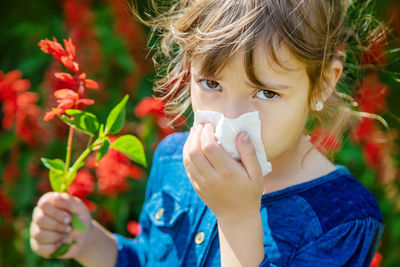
83, 184
375, 52
5, 205
371, 96
20, 106
325, 141
376, 260
112, 170
150, 105
134, 228
105, 216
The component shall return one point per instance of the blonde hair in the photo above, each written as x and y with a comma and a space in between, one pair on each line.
212, 31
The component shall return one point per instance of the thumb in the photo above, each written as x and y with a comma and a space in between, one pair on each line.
248, 155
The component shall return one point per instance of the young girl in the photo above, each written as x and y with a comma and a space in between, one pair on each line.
285, 60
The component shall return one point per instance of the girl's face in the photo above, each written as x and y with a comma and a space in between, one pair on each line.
282, 104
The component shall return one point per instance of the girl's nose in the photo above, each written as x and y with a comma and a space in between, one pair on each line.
234, 109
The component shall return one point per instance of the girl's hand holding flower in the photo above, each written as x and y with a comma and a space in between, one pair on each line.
229, 188
51, 225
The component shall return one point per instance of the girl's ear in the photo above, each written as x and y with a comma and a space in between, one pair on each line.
332, 75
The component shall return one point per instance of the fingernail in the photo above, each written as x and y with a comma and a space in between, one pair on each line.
245, 138
66, 220
68, 229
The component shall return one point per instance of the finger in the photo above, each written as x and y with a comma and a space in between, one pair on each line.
55, 213
44, 250
48, 223
197, 157
194, 175
192, 171
218, 156
248, 155
69, 203
45, 236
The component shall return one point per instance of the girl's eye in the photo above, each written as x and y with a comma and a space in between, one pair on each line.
266, 94
210, 85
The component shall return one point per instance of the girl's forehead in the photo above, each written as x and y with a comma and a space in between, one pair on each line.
263, 61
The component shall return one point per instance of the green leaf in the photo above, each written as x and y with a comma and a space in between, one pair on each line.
56, 179
83, 121
116, 118
57, 164
77, 223
103, 149
132, 147
101, 130
62, 250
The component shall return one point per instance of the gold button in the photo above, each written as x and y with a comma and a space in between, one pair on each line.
159, 213
199, 238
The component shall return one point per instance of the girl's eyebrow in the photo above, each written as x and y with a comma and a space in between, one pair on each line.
273, 86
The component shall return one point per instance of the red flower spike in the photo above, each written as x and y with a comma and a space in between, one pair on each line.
86, 102
53, 48
82, 76
66, 57
66, 104
66, 93
91, 84
51, 114
66, 78
70, 48
70, 64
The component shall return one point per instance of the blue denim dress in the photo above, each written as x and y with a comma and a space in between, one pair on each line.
329, 221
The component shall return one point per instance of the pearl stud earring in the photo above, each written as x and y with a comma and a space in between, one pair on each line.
319, 106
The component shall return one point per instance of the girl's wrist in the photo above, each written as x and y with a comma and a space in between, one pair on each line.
239, 219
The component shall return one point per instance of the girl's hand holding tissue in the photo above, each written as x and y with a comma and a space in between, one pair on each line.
229, 188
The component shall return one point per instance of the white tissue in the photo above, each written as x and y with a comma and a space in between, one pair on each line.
226, 131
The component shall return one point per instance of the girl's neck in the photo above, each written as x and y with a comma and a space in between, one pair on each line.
300, 164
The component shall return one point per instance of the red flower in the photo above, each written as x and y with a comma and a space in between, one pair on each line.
156, 108
376, 260
87, 82
66, 56
92, 207
105, 216
83, 184
5, 206
375, 52
371, 94
373, 152
66, 78
20, 106
150, 105
66, 99
134, 228
112, 171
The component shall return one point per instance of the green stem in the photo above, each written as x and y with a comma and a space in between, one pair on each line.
69, 149
76, 164
82, 157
